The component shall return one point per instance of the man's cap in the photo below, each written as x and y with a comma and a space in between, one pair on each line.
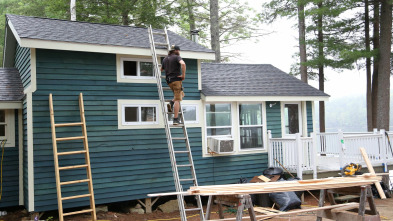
175, 47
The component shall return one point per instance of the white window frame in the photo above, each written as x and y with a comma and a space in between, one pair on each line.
263, 125
121, 78
283, 131
139, 122
9, 128
231, 114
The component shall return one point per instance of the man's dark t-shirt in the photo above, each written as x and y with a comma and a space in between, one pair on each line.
172, 67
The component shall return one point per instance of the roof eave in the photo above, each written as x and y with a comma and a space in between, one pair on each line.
229, 98
112, 49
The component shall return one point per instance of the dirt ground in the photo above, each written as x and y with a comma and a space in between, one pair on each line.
384, 207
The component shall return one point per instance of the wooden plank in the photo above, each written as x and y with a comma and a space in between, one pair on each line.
371, 170
344, 208
293, 212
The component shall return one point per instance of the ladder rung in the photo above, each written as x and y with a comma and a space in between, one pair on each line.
178, 138
172, 112
166, 88
70, 138
190, 179
185, 165
158, 33
182, 151
69, 124
78, 212
178, 125
192, 209
76, 197
71, 152
168, 100
160, 44
163, 76
73, 167
74, 181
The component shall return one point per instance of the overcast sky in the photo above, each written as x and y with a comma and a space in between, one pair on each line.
278, 49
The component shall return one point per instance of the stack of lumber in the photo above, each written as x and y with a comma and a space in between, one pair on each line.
299, 185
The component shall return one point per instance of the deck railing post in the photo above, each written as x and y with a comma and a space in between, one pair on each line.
269, 149
299, 148
383, 151
342, 148
314, 154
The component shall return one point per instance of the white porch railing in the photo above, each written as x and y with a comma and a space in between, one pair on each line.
345, 146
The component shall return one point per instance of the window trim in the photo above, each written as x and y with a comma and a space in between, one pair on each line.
300, 112
263, 125
9, 127
139, 122
207, 127
121, 78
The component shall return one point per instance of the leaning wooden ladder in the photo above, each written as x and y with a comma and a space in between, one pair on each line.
85, 151
172, 152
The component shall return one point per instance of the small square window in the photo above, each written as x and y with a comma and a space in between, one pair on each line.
2, 116
148, 114
2, 130
131, 114
190, 113
130, 68
146, 69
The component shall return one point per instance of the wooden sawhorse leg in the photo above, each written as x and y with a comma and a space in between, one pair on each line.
321, 203
245, 202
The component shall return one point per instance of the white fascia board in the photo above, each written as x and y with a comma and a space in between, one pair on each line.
262, 98
112, 49
14, 32
11, 105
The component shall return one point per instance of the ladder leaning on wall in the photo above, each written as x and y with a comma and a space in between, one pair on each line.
85, 152
186, 149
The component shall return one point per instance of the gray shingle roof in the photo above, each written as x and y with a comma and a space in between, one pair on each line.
93, 33
11, 88
252, 80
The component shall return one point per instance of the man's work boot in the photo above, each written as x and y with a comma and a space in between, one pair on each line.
176, 121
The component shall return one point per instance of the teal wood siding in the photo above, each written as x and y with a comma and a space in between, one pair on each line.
310, 128
273, 118
22, 62
25, 161
126, 164
10, 172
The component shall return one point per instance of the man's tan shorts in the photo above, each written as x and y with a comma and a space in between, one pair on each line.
176, 87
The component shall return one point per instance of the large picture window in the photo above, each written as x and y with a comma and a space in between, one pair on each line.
250, 126
140, 114
218, 119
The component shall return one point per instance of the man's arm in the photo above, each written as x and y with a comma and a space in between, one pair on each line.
183, 69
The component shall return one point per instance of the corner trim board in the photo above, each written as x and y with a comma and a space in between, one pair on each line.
20, 131
30, 156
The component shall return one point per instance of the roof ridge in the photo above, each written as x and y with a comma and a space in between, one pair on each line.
85, 22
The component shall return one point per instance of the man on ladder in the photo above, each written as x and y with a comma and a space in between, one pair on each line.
173, 64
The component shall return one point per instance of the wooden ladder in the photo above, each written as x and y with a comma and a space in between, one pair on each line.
85, 151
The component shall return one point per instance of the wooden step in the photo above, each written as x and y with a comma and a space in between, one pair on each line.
75, 181
185, 165
158, 33
75, 197
192, 209
70, 138
161, 44
71, 152
189, 179
78, 212
73, 167
69, 124
181, 151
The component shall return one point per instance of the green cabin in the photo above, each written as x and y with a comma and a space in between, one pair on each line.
228, 108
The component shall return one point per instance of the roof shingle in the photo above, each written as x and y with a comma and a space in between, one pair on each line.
11, 88
93, 33
221, 79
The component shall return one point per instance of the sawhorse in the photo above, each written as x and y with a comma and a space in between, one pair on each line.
240, 201
353, 214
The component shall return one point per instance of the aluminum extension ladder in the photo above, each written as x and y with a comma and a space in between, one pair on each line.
174, 151
85, 152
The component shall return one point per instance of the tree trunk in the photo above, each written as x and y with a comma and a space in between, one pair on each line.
302, 42
321, 73
214, 29
383, 103
368, 67
374, 86
191, 16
